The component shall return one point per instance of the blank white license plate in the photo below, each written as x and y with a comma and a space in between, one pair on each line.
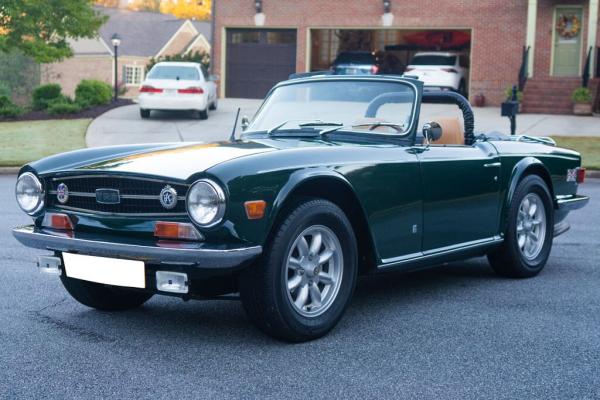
109, 271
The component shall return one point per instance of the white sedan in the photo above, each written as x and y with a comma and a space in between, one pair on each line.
178, 86
441, 70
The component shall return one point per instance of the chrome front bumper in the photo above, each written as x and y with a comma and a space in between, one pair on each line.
199, 255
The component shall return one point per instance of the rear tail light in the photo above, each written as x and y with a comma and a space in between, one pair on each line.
580, 175
192, 90
150, 89
451, 70
374, 69
176, 230
57, 221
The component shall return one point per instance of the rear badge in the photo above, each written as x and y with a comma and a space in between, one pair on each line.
62, 193
108, 196
572, 175
168, 197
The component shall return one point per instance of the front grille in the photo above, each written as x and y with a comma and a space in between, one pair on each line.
138, 196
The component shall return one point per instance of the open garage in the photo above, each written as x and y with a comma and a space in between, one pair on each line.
394, 48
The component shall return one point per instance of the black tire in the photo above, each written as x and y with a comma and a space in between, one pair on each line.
508, 260
263, 286
144, 113
202, 114
104, 297
213, 106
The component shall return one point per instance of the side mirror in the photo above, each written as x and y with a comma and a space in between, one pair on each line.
432, 131
245, 122
213, 78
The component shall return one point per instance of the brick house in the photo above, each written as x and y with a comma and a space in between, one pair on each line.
144, 35
260, 42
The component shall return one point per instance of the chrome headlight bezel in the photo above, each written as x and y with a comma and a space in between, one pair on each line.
37, 186
220, 206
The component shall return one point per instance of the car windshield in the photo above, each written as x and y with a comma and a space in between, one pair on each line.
355, 105
432, 59
355, 58
174, 73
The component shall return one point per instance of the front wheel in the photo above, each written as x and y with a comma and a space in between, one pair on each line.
104, 297
529, 235
307, 275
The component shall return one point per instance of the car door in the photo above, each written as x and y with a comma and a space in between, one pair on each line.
460, 195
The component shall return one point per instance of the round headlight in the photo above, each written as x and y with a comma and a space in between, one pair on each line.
29, 193
206, 203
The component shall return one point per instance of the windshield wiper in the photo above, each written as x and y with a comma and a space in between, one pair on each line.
307, 124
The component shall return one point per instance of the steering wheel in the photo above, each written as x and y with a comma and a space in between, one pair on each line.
396, 127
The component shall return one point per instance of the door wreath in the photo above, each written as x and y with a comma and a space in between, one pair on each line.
568, 26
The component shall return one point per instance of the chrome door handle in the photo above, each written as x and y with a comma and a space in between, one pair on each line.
490, 165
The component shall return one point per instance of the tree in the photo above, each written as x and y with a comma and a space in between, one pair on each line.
192, 9
40, 28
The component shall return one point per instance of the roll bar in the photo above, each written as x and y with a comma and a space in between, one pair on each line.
462, 103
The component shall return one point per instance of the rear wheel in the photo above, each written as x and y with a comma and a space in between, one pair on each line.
104, 297
144, 113
202, 114
529, 235
213, 106
306, 278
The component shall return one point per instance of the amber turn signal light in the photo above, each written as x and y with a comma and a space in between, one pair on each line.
176, 230
57, 221
255, 209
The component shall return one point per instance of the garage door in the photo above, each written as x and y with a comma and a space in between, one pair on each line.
257, 59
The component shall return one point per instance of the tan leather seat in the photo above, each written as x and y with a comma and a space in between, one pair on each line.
452, 131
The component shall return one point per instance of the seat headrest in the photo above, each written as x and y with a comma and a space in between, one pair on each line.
452, 131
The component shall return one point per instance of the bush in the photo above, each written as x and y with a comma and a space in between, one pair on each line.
581, 95
92, 93
508, 94
8, 109
63, 107
44, 94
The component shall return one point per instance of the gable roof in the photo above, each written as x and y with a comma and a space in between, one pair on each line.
142, 33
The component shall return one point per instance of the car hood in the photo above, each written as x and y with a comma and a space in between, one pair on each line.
175, 161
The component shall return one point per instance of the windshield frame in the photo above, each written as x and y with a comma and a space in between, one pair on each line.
410, 130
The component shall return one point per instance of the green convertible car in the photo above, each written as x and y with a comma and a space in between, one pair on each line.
335, 176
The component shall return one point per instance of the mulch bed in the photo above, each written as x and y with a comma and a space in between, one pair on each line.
91, 112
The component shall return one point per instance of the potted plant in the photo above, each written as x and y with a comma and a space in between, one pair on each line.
582, 101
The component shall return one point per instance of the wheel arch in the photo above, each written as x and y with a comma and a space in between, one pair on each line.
527, 166
332, 186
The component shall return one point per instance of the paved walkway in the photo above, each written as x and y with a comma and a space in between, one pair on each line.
124, 125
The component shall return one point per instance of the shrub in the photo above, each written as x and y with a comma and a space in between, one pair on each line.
63, 107
4, 89
44, 94
92, 93
508, 94
581, 95
8, 109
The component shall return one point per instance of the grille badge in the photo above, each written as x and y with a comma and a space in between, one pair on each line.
168, 197
62, 193
108, 196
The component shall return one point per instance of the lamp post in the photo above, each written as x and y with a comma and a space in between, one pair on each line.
116, 41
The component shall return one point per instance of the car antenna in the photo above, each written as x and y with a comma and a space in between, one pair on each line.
237, 115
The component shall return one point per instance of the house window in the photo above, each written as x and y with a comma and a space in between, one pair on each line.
133, 74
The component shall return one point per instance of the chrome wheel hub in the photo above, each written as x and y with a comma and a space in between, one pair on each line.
531, 226
314, 271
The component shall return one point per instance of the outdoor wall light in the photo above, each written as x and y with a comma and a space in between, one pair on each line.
387, 6
258, 6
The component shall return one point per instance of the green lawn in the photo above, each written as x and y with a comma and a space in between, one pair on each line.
589, 147
25, 141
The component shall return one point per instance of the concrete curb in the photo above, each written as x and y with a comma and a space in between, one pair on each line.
594, 173
9, 170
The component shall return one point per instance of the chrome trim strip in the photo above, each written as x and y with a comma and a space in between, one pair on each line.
119, 177
570, 203
202, 257
396, 261
94, 212
123, 196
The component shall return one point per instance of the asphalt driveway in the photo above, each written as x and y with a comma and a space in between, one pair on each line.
454, 332
124, 125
